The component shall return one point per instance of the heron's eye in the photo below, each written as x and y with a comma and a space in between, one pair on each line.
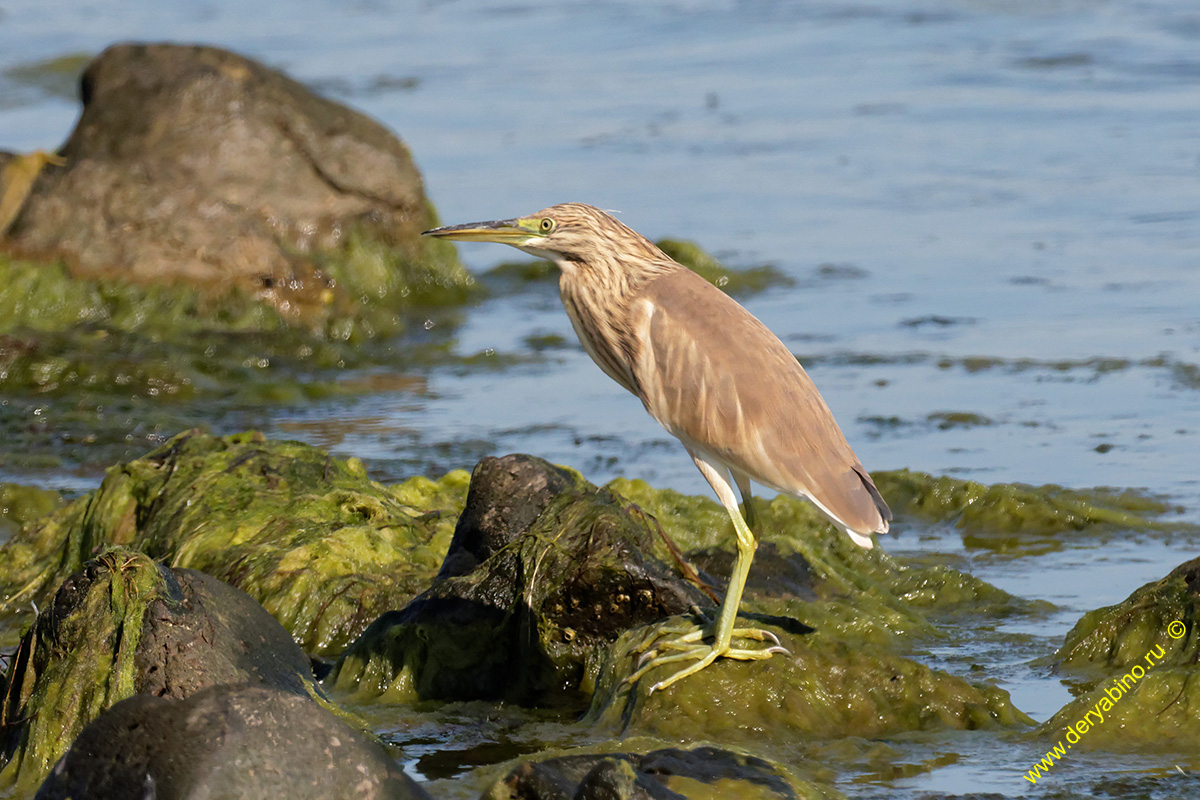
546, 225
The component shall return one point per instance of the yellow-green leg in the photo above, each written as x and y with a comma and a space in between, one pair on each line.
690, 646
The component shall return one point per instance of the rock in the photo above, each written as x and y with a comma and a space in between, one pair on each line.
545, 572
319, 544
1015, 518
1138, 664
125, 625
225, 741
1116, 637
669, 774
824, 687
193, 164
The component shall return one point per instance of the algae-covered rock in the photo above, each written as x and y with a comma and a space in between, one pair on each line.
668, 774
824, 687
1009, 517
808, 571
1161, 615
125, 625
198, 165
1138, 660
24, 505
320, 545
226, 741
545, 572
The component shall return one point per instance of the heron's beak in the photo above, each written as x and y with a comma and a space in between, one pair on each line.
505, 231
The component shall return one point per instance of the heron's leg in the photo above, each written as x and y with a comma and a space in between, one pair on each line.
689, 645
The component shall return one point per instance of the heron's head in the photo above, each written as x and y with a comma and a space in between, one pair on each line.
568, 234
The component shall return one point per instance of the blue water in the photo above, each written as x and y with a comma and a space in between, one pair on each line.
1015, 181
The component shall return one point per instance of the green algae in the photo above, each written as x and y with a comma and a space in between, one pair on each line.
1136, 661
320, 545
23, 505
1154, 712
824, 687
373, 272
1016, 518
66, 672
1119, 636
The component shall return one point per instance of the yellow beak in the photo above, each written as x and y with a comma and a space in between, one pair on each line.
504, 231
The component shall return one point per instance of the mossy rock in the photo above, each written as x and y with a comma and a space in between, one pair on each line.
1150, 706
303, 200
545, 571
320, 545
1137, 659
125, 625
823, 687
848, 591
1015, 507
1162, 615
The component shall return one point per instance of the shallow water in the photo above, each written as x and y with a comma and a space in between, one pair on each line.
989, 210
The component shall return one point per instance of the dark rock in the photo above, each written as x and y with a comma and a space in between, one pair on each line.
126, 625
561, 570
196, 164
660, 775
204, 632
226, 741
505, 498
774, 574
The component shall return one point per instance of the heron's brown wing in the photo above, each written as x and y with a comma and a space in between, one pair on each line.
717, 378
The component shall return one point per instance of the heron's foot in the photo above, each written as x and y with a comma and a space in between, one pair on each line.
690, 646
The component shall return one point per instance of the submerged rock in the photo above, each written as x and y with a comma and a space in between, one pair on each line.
1138, 660
226, 741
545, 572
310, 537
123, 626
193, 164
669, 774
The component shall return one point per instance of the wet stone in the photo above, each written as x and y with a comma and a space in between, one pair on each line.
125, 625
225, 741
670, 774
561, 568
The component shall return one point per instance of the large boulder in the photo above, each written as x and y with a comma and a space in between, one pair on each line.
193, 164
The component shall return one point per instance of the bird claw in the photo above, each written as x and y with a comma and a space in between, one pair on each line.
689, 646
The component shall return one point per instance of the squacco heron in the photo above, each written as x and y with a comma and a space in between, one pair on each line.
714, 376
